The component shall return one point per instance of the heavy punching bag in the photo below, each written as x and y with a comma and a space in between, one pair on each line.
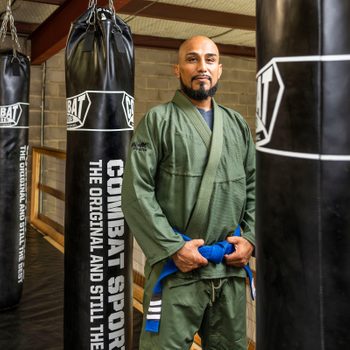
14, 107
98, 247
303, 175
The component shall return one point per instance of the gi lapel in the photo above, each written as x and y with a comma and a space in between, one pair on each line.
197, 120
197, 222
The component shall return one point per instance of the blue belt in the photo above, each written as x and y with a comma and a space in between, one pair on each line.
214, 253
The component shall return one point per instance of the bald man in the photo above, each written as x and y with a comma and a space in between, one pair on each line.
191, 170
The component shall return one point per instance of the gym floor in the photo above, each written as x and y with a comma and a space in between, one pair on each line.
37, 322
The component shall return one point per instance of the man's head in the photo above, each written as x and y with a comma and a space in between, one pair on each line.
198, 67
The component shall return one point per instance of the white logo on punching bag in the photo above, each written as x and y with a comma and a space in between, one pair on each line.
77, 109
128, 106
270, 89
10, 115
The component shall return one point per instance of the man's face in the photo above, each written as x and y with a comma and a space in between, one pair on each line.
198, 67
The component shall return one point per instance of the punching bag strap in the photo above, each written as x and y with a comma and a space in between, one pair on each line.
92, 3
8, 18
118, 33
111, 6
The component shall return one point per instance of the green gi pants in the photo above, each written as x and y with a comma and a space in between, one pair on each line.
215, 308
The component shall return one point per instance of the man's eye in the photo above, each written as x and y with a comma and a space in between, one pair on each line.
191, 59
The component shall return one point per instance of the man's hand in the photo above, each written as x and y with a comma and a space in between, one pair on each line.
242, 254
188, 258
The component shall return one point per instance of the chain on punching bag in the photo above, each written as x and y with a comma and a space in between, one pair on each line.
303, 175
14, 107
98, 247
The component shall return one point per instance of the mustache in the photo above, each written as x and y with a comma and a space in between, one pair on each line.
201, 76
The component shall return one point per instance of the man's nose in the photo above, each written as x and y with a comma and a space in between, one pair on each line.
202, 66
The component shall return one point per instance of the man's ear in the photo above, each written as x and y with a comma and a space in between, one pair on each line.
176, 70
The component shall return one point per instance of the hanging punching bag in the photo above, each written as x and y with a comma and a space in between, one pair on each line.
303, 175
98, 247
14, 106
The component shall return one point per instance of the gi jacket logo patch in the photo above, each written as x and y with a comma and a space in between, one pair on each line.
270, 90
139, 146
77, 109
10, 115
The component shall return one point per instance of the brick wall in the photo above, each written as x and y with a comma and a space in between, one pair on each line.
51, 78
155, 82
47, 106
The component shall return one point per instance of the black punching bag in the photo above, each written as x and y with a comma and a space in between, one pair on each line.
14, 106
98, 246
303, 175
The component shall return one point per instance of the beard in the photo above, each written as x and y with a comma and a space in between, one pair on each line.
199, 95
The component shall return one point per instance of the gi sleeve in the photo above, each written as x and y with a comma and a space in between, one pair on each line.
248, 222
139, 203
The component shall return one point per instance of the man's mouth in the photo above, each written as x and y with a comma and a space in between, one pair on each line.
201, 78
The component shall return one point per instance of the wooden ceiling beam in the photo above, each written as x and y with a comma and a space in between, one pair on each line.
169, 43
24, 28
49, 2
188, 14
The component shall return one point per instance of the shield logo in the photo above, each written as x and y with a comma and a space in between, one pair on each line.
10, 115
77, 109
270, 90
128, 107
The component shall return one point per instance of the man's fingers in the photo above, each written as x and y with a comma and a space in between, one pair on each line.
201, 260
233, 257
197, 242
236, 259
188, 257
233, 239
242, 246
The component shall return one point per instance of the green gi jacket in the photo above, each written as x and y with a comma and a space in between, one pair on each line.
163, 173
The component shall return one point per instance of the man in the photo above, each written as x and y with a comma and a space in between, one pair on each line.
176, 147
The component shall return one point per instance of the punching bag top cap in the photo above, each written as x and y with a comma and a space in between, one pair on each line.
102, 13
